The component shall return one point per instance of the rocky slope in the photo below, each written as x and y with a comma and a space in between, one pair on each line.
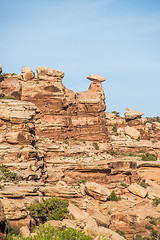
54, 142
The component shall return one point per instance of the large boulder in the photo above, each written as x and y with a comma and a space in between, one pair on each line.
138, 190
27, 73
131, 114
132, 132
44, 73
97, 191
76, 213
91, 227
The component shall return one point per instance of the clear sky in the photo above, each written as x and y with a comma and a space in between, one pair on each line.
118, 39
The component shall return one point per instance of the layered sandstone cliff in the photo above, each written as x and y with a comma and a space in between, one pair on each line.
43, 139
66, 114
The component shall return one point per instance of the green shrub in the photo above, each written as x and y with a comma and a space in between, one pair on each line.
95, 145
116, 134
115, 112
124, 184
48, 232
131, 154
120, 232
52, 208
153, 221
156, 201
7, 175
153, 119
4, 75
149, 226
141, 151
8, 97
66, 141
114, 197
143, 184
123, 154
21, 147
154, 234
148, 157
102, 238
138, 237
114, 128
113, 153
74, 139
82, 181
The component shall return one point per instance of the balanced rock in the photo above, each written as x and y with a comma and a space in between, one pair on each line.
97, 191
131, 114
27, 73
48, 74
96, 77
138, 190
132, 132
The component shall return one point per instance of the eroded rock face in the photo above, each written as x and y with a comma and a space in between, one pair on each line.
66, 114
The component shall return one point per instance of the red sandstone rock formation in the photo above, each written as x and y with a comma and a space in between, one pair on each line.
66, 114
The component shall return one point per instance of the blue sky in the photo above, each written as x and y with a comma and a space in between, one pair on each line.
118, 39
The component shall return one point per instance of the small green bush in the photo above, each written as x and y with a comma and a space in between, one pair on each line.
115, 112
149, 226
82, 181
95, 145
124, 184
156, 201
148, 157
143, 184
153, 119
153, 221
141, 151
52, 208
154, 234
114, 197
123, 154
121, 233
131, 154
113, 153
66, 142
8, 97
4, 75
114, 128
48, 232
139, 237
7, 175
